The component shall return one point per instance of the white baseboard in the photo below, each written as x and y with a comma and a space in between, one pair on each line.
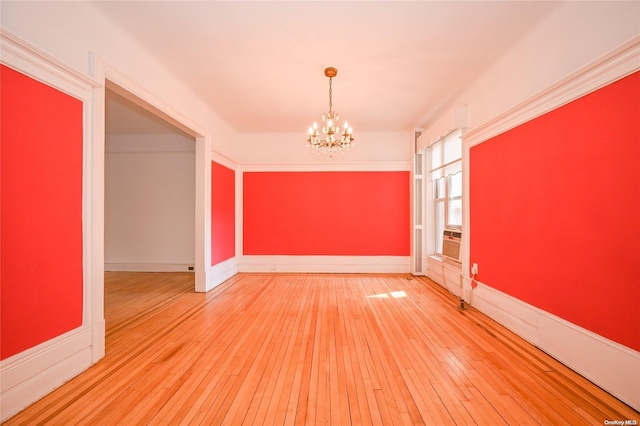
31, 374
148, 267
219, 273
326, 264
610, 365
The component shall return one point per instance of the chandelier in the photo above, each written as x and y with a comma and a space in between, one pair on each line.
330, 141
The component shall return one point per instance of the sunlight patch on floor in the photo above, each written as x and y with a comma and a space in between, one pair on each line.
394, 294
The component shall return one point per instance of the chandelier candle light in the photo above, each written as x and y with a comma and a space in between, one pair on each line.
330, 141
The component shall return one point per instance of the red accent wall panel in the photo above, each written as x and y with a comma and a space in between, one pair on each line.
554, 211
326, 213
223, 201
41, 285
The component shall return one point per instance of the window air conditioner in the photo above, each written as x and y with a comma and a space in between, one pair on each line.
451, 240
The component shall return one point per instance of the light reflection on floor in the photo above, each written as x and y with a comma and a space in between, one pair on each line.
394, 294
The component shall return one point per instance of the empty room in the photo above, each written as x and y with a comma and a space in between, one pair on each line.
310, 212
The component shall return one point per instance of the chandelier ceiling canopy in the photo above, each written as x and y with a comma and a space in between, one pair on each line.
328, 139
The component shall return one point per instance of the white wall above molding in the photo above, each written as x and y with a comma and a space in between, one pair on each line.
617, 64
291, 148
327, 167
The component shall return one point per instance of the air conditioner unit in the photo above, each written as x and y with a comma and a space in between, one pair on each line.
451, 241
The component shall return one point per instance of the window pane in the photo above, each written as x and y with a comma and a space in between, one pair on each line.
452, 148
439, 225
455, 213
455, 185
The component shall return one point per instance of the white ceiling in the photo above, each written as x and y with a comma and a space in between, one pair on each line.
260, 64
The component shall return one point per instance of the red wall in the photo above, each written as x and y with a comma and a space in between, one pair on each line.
41, 213
326, 213
223, 235
554, 211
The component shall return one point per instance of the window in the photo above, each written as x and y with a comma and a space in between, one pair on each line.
446, 175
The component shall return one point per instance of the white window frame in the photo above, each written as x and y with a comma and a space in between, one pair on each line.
432, 202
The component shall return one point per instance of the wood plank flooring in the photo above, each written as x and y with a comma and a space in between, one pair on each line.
292, 349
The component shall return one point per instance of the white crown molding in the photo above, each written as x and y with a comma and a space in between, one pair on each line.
615, 65
392, 166
26, 58
224, 161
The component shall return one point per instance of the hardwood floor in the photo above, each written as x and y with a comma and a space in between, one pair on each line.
313, 349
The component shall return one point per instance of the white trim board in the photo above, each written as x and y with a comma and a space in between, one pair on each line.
220, 272
325, 264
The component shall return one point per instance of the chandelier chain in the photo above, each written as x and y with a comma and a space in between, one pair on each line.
330, 102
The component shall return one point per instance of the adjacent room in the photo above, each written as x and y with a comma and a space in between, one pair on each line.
149, 191
337, 213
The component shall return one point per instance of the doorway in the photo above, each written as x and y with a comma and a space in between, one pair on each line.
149, 190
